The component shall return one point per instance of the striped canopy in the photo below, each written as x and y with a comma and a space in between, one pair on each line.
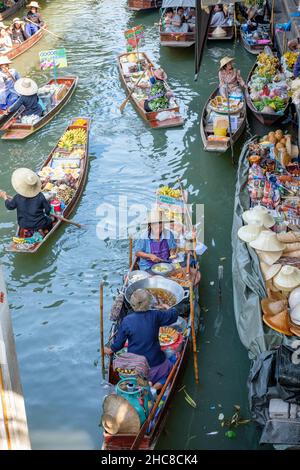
178, 3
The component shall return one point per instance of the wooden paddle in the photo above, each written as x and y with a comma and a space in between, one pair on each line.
45, 29
230, 126
123, 105
14, 116
137, 442
67, 221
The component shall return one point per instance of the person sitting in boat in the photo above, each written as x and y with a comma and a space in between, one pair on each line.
5, 39
28, 98
141, 329
230, 79
8, 77
218, 18
191, 19
33, 19
18, 34
297, 68
179, 24
32, 207
166, 21
156, 244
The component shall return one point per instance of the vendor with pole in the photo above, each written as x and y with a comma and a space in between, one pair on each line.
33, 19
230, 79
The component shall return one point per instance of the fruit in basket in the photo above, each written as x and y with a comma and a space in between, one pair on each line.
73, 137
167, 191
290, 59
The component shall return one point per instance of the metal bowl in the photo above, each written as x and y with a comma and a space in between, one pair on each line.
139, 274
167, 268
158, 282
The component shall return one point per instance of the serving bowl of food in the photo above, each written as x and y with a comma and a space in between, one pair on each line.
162, 269
137, 275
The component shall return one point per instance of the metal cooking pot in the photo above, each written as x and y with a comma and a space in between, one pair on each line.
158, 282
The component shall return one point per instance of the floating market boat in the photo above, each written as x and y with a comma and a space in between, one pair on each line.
266, 93
24, 46
145, 432
132, 72
254, 46
216, 109
228, 35
176, 39
11, 10
144, 5
56, 93
64, 175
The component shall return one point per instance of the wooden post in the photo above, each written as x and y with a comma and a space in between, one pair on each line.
130, 251
101, 326
230, 126
192, 316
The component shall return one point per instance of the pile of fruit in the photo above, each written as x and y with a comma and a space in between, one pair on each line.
73, 137
282, 145
290, 59
80, 122
167, 191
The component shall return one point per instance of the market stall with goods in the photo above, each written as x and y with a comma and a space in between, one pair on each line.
266, 277
255, 41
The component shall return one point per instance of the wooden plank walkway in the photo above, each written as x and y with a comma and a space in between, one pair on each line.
13, 422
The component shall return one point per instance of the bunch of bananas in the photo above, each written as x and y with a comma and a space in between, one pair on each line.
167, 191
80, 122
73, 137
291, 59
267, 71
267, 60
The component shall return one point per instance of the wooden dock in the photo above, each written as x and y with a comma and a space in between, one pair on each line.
13, 422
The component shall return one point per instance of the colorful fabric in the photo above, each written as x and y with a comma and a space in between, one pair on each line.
144, 245
132, 361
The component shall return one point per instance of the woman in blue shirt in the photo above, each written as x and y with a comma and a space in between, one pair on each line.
141, 329
156, 244
27, 90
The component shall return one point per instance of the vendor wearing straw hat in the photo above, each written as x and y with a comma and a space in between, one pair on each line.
230, 78
156, 244
32, 207
18, 33
33, 16
8, 77
28, 98
141, 329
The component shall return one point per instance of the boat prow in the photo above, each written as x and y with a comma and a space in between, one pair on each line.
16, 51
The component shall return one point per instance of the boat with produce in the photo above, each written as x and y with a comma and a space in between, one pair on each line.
19, 49
55, 95
63, 177
144, 417
214, 124
143, 5
163, 108
256, 42
178, 38
6, 12
267, 90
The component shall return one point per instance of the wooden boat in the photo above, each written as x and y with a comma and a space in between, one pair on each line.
84, 165
12, 10
254, 49
155, 426
177, 39
229, 33
158, 119
267, 119
15, 130
206, 128
144, 5
24, 46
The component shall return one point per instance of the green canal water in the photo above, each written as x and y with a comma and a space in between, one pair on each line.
54, 295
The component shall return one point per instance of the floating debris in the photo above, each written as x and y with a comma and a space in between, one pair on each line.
213, 433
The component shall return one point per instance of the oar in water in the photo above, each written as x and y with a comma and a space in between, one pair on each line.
67, 221
45, 29
230, 125
123, 105
118, 303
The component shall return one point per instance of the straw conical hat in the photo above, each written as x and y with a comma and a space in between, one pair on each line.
271, 307
288, 278
17, 20
33, 5
26, 87
269, 271
155, 216
270, 257
119, 416
279, 322
267, 241
220, 33
26, 183
4, 60
294, 298
295, 151
259, 215
249, 233
294, 329
295, 315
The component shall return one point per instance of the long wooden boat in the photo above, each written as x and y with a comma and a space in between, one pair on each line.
206, 128
15, 130
144, 5
176, 39
84, 165
157, 119
19, 49
254, 49
12, 10
229, 33
149, 439
267, 119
